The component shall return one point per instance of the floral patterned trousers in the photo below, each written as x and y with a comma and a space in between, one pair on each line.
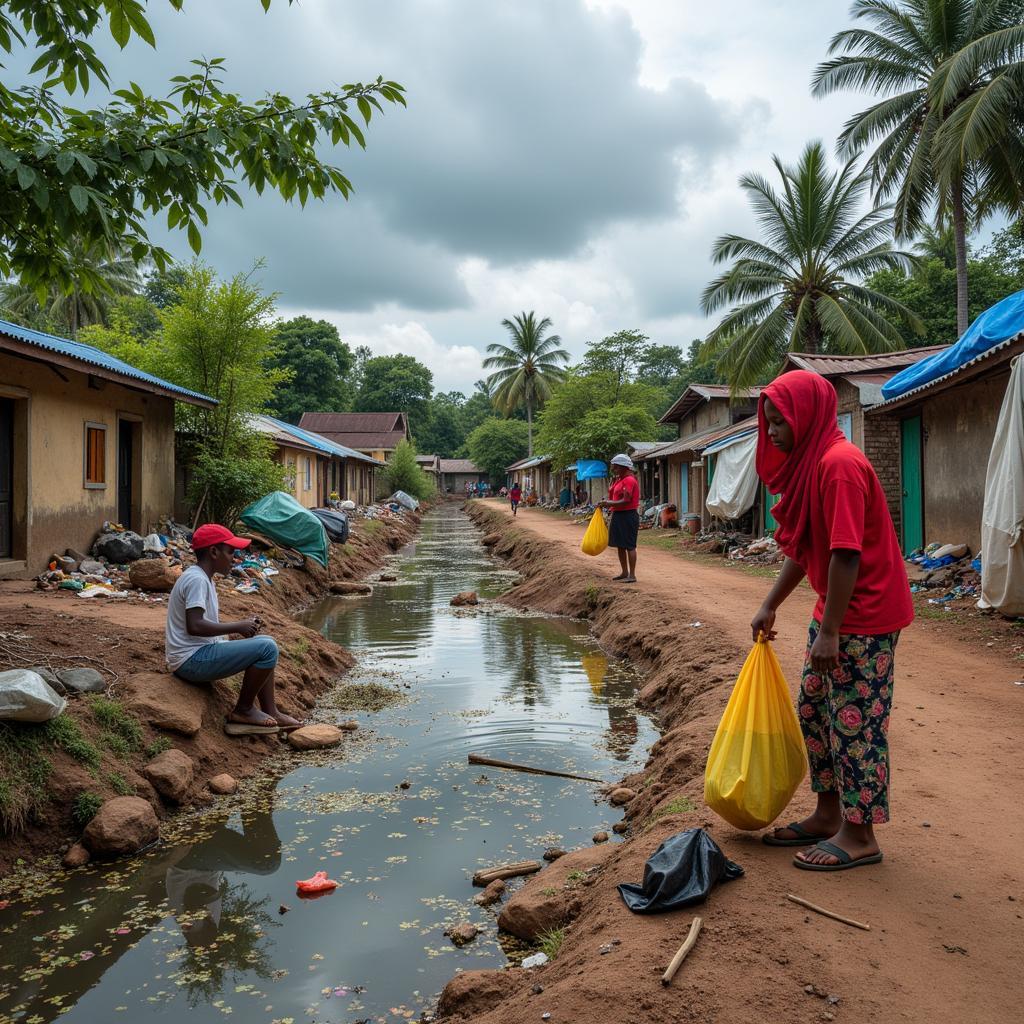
845, 720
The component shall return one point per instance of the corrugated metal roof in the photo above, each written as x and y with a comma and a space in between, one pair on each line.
696, 443
91, 356
315, 441
529, 462
352, 422
833, 365
459, 466
697, 394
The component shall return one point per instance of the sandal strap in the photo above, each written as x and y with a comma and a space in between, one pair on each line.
836, 851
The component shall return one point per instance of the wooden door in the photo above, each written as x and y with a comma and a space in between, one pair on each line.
125, 431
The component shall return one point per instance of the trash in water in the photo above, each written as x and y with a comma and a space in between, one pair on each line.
319, 883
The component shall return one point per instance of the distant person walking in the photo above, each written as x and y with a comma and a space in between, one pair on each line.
515, 496
834, 527
624, 502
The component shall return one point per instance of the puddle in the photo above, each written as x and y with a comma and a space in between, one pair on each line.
195, 926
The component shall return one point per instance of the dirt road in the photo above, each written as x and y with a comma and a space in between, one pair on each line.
946, 906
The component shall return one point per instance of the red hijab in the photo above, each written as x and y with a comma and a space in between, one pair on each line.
808, 404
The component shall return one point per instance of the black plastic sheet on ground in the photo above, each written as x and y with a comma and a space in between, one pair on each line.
681, 872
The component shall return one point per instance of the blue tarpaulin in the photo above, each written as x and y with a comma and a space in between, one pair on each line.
1001, 322
591, 469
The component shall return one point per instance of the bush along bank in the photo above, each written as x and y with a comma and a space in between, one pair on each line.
573, 905
132, 731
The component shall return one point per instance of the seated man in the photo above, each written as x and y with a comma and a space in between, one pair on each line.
197, 646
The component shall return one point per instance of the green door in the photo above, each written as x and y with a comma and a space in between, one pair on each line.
768, 504
912, 496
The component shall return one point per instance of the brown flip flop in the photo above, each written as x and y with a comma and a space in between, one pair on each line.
249, 729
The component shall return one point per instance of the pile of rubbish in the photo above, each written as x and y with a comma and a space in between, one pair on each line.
946, 569
738, 547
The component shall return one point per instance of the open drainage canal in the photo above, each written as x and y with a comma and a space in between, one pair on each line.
195, 925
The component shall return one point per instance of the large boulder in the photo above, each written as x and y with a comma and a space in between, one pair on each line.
550, 899
315, 737
123, 825
81, 680
171, 774
119, 548
166, 702
472, 993
156, 575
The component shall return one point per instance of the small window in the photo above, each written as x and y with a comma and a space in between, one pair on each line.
95, 455
309, 475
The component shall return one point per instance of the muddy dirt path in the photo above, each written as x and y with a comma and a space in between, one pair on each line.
946, 906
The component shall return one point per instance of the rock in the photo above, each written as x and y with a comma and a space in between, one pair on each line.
153, 574
601, 837
405, 784
350, 587
349, 726
472, 993
621, 796
553, 853
223, 784
171, 774
49, 677
388, 577
90, 567
65, 564
76, 857
620, 828
464, 598
315, 737
537, 960
82, 680
123, 825
119, 548
166, 702
490, 540
462, 934
492, 894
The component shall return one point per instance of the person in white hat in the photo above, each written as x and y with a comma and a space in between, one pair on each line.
624, 502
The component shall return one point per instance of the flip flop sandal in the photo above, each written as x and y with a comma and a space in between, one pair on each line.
250, 729
803, 837
845, 860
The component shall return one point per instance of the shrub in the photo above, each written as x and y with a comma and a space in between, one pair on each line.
158, 746
402, 473
227, 484
24, 773
85, 807
123, 734
551, 942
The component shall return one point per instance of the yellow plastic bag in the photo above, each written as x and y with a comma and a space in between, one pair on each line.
595, 540
757, 757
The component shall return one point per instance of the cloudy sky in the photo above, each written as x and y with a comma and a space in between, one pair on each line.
575, 157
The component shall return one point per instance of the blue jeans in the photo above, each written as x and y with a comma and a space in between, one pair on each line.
228, 658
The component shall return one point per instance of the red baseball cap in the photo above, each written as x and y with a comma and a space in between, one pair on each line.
213, 533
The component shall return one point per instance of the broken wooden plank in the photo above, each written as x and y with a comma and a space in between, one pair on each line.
828, 913
485, 876
493, 762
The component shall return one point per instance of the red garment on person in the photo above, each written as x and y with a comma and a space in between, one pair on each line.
629, 488
831, 500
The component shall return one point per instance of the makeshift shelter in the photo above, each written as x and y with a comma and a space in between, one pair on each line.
733, 489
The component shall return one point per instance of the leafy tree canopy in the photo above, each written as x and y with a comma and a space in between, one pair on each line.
96, 174
496, 443
396, 384
621, 354
320, 364
404, 474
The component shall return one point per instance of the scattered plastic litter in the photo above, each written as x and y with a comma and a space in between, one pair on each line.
536, 960
319, 883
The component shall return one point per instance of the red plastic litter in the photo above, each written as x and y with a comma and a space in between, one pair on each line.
317, 884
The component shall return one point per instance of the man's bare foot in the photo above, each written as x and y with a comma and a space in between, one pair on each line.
286, 721
250, 716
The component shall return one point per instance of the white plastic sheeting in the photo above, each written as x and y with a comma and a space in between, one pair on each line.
1002, 521
734, 485
26, 697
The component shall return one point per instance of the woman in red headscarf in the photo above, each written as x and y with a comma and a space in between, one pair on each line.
834, 528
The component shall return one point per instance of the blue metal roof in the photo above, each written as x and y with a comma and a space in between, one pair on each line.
95, 357
320, 442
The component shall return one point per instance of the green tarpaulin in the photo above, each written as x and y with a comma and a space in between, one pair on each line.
284, 520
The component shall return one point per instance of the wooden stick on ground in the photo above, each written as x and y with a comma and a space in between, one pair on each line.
485, 876
677, 960
492, 762
828, 913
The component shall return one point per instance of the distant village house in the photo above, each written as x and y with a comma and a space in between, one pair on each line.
376, 434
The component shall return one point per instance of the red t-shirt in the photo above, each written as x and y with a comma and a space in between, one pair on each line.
854, 516
629, 488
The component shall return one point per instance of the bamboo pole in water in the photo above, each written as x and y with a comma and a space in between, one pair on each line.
493, 762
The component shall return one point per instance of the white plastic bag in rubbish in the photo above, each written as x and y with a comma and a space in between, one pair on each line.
152, 542
405, 499
537, 960
26, 697
348, 505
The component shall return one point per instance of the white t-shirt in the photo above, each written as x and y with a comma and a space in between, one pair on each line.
194, 589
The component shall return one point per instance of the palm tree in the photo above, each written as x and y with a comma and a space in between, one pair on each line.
799, 289
525, 370
96, 277
949, 132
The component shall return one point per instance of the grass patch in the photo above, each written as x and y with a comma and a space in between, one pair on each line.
681, 805
371, 527
590, 596
24, 773
119, 784
364, 697
299, 649
122, 732
66, 734
85, 807
158, 746
551, 942
575, 877
549, 891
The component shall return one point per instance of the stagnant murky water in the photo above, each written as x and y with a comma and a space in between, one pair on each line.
196, 927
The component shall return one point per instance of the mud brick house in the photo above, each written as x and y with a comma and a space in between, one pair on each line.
84, 438
376, 434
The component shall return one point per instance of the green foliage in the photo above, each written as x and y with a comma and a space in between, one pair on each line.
66, 734
119, 784
97, 174
551, 942
158, 746
404, 474
526, 370
85, 807
319, 364
799, 289
24, 773
226, 485
681, 805
497, 443
619, 356
123, 734
444, 432
396, 384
